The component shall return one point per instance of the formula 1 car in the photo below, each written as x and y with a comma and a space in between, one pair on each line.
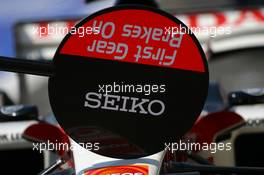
219, 143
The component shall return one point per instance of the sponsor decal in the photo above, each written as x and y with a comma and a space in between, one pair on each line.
120, 170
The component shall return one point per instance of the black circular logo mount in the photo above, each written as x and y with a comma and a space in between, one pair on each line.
130, 84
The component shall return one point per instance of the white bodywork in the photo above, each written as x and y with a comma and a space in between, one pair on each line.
87, 160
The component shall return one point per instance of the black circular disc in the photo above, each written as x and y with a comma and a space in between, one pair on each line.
130, 84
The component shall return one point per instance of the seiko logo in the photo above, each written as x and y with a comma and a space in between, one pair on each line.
124, 104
